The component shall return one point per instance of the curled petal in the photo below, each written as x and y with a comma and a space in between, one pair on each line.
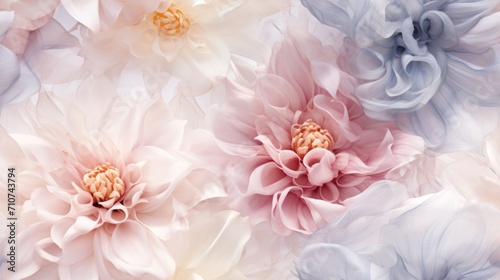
268, 179
116, 214
288, 211
407, 55
318, 163
329, 192
49, 207
291, 164
441, 28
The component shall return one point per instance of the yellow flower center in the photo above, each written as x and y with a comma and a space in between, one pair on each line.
310, 136
171, 22
104, 183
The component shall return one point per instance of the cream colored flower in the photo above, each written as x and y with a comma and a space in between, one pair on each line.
196, 40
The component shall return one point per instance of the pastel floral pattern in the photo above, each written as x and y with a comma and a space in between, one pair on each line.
302, 148
419, 62
249, 139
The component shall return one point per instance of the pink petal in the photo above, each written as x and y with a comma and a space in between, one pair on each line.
159, 222
289, 62
234, 128
346, 193
49, 250
258, 207
238, 176
130, 246
77, 250
48, 206
329, 192
291, 164
83, 270
319, 163
160, 131
268, 179
270, 147
327, 76
81, 226
337, 121
284, 211
323, 211
86, 12
279, 97
117, 214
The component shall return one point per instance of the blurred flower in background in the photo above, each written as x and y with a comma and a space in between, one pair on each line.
36, 50
99, 15
437, 236
475, 176
17, 81
194, 40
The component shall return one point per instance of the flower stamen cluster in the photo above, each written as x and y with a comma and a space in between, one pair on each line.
310, 136
171, 22
104, 183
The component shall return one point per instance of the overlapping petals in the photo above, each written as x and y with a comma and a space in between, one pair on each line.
16, 78
219, 244
99, 14
214, 247
65, 230
475, 176
422, 64
33, 47
269, 180
384, 235
249, 140
188, 37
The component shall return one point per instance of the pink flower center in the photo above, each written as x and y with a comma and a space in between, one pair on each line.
171, 22
104, 183
308, 136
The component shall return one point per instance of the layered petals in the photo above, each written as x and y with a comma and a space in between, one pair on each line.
105, 197
17, 80
434, 236
299, 149
420, 63
188, 37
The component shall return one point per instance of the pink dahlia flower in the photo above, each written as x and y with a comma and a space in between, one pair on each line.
112, 177
302, 147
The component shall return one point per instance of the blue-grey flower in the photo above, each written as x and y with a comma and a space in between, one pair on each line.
384, 236
424, 63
